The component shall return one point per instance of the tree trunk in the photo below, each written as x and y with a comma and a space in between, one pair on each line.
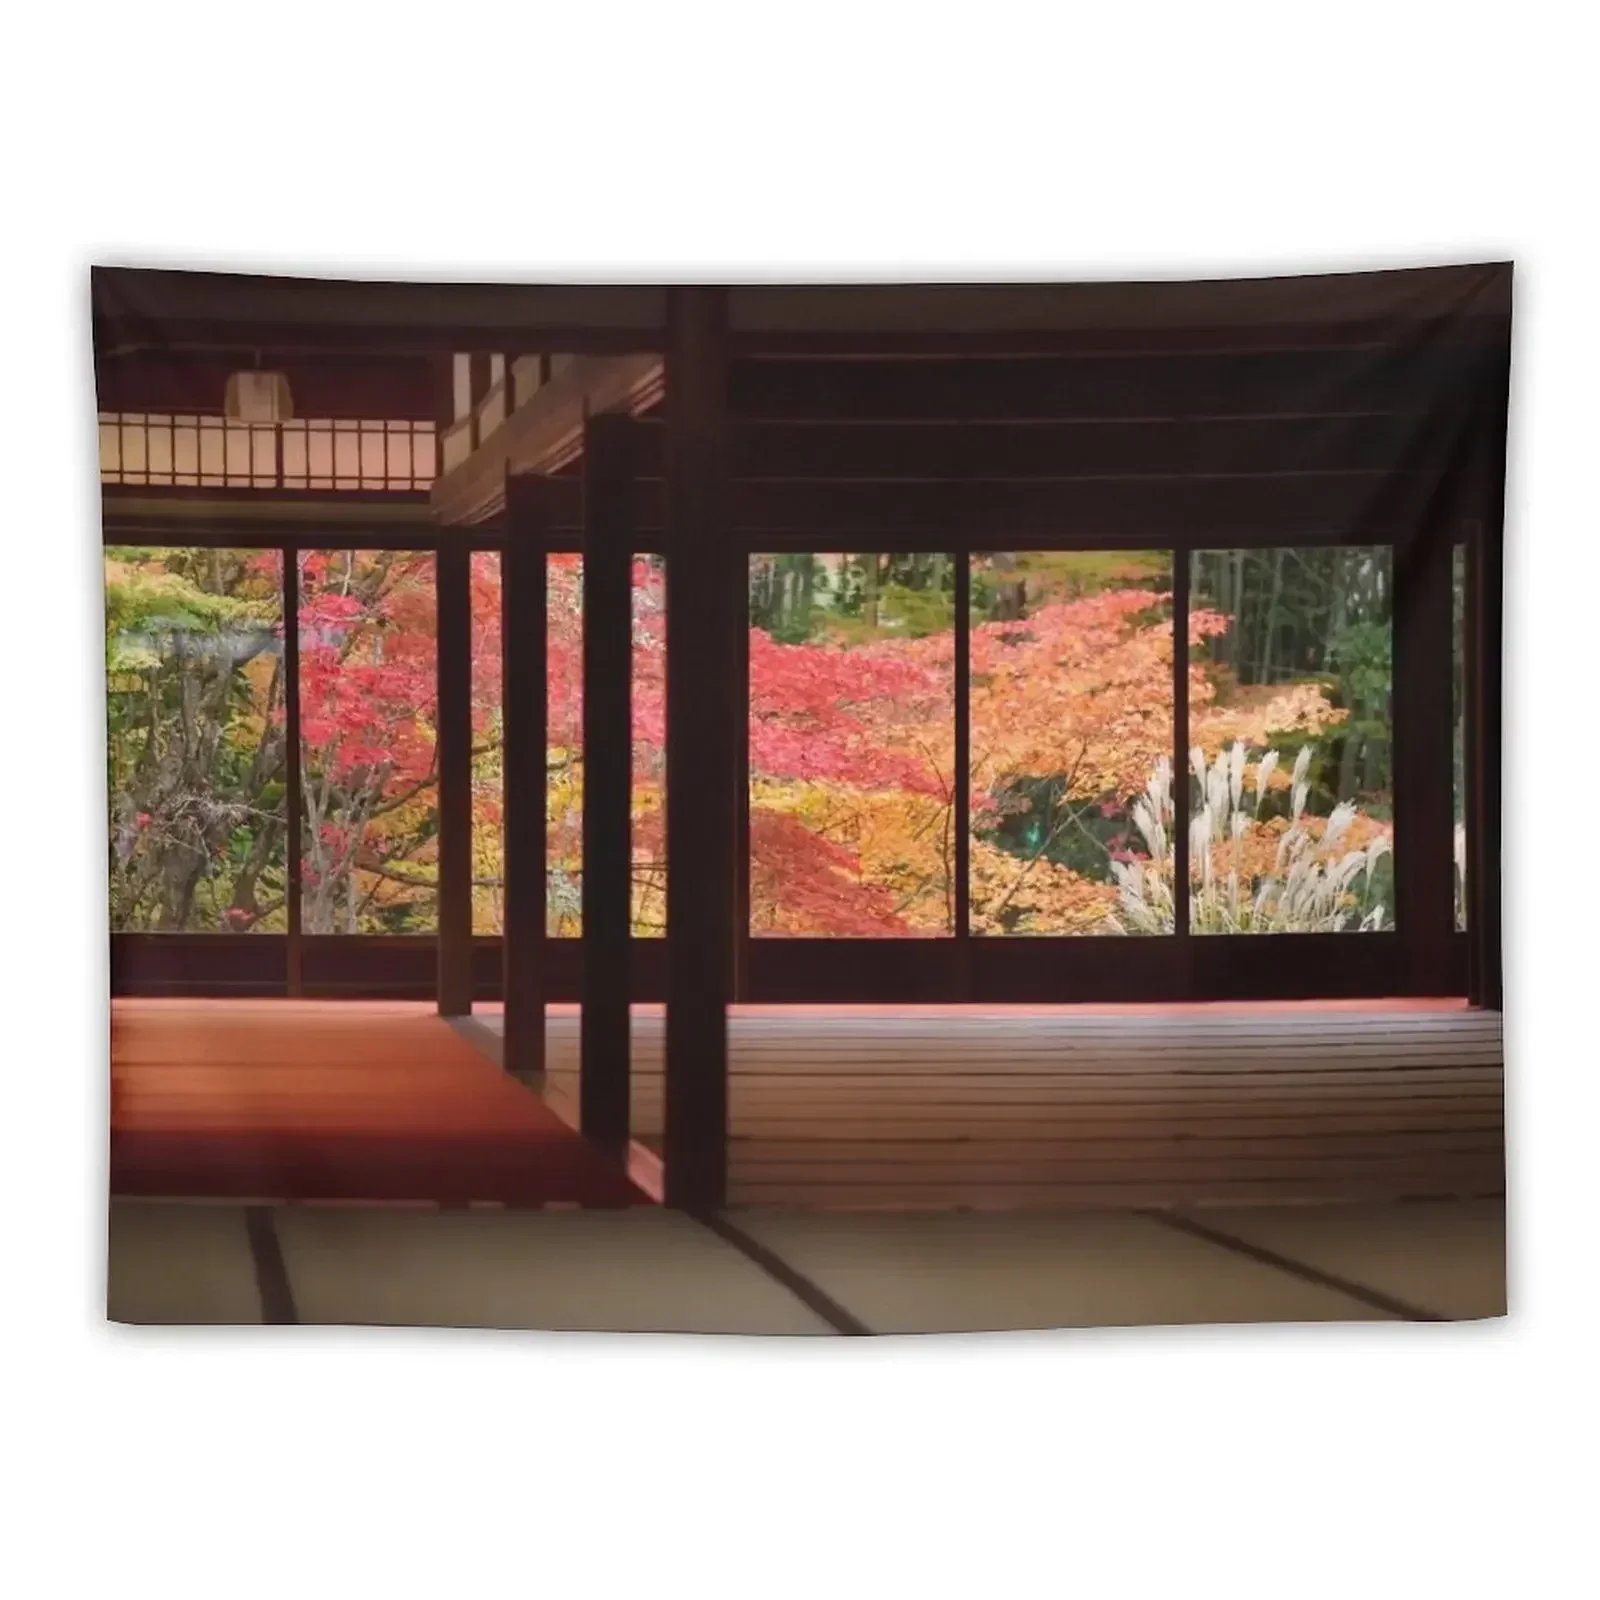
808, 581
1264, 666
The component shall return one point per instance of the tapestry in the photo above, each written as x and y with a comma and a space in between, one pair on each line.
804, 810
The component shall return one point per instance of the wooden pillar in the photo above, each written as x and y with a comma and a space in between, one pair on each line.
453, 665
1471, 756
294, 798
1424, 825
960, 865
444, 406
478, 386
1182, 580
607, 779
703, 619
525, 714
1486, 629
453, 592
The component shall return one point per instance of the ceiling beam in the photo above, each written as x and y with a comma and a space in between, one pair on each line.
1245, 510
545, 433
950, 452
136, 306
161, 309
1107, 386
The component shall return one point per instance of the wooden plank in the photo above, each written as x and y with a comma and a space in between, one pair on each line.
1417, 305
1329, 381
1174, 1122
525, 715
1057, 1107
1123, 1194
1089, 448
328, 1101
607, 780
453, 731
1108, 1146
139, 306
169, 309
1248, 510
704, 613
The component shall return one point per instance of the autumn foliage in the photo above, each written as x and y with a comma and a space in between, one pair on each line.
853, 821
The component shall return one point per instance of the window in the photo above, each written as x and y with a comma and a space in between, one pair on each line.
852, 745
226, 452
488, 788
564, 760
195, 751
369, 768
1071, 693
1290, 770
564, 749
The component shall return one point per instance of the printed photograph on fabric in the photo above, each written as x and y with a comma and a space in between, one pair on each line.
860, 811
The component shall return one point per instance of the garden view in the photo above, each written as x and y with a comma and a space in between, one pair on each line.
1286, 794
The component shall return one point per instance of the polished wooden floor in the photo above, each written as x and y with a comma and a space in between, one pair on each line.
331, 1100
862, 1107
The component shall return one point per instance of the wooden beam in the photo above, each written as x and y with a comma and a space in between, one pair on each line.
162, 309
703, 618
1247, 510
1423, 767
1264, 508
453, 644
545, 433
1345, 307
294, 799
997, 452
961, 777
135, 307
203, 501
478, 386
1182, 582
524, 718
1110, 386
607, 782
359, 386
1486, 696
1470, 642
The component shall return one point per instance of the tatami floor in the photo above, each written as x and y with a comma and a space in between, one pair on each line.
776, 1272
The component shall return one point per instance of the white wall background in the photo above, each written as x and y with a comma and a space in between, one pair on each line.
653, 141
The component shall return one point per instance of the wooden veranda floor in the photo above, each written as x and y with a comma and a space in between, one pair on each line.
331, 1100
1078, 1106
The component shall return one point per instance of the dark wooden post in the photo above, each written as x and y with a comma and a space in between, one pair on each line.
607, 779
702, 745
453, 591
478, 386
294, 797
1182, 807
525, 714
1424, 824
1486, 627
960, 865
444, 406
1471, 644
